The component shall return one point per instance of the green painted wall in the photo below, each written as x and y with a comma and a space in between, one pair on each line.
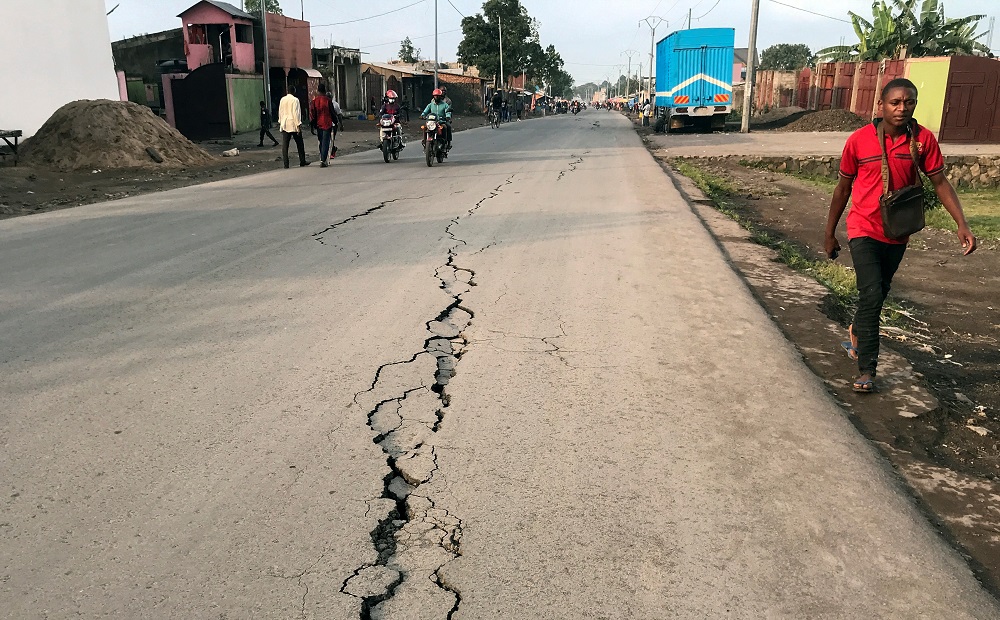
930, 75
136, 91
245, 95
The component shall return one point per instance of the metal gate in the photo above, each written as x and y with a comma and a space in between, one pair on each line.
971, 112
201, 105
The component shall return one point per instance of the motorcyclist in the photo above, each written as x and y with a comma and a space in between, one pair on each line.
390, 104
440, 108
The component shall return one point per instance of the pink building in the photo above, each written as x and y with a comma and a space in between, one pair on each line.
218, 32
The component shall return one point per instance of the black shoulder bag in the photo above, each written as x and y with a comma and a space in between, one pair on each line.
903, 209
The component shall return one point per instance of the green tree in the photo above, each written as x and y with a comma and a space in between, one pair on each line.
787, 57
253, 6
407, 53
901, 31
480, 45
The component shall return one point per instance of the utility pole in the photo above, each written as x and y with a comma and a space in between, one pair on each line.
989, 37
500, 25
267, 63
628, 76
652, 21
689, 19
435, 44
302, 9
751, 69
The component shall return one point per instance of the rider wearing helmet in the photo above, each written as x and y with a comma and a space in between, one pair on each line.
390, 104
440, 108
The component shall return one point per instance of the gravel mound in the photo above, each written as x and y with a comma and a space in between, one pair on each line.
827, 120
104, 134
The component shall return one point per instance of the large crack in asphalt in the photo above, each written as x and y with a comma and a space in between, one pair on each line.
416, 538
319, 236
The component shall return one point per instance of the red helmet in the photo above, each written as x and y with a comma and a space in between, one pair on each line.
391, 94
437, 92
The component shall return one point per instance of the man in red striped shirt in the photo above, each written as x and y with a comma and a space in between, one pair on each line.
876, 256
322, 117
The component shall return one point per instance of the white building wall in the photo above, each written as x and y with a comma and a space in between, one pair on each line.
53, 52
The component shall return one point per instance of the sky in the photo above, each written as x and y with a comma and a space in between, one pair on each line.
591, 35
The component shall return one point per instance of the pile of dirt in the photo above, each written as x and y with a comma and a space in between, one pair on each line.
103, 134
826, 120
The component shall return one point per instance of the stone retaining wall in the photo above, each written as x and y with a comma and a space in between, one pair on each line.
963, 171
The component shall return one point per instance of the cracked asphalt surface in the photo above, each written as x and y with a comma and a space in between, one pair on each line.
524, 383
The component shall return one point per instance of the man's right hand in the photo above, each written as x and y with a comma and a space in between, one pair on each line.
832, 247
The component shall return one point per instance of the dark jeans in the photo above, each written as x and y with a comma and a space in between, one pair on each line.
286, 137
324, 136
264, 131
875, 263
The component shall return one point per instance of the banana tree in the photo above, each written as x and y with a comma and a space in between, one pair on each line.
901, 30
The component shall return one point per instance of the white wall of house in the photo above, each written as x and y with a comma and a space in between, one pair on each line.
54, 52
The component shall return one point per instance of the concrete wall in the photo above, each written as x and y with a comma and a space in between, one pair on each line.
963, 171
930, 75
52, 42
245, 94
288, 42
138, 56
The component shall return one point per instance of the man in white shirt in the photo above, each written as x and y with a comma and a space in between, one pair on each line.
290, 123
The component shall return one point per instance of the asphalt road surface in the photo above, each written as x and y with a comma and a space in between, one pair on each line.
523, 384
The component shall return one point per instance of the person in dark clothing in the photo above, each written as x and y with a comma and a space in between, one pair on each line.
265, 125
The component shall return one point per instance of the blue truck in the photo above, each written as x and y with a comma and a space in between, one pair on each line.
694, 77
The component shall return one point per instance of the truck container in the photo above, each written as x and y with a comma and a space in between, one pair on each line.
694, 77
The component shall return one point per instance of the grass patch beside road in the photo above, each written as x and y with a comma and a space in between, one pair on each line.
982, 209
837, 278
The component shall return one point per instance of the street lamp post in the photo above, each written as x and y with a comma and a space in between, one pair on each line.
435, 44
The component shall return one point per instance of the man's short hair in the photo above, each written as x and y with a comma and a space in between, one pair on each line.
898, 83
322, 87
262, 104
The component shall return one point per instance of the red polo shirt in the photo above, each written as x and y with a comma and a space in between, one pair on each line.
862, 162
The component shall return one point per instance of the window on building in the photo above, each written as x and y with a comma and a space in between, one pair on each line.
244, 34
196, 34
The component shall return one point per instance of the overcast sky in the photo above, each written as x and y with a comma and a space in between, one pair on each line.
590, 34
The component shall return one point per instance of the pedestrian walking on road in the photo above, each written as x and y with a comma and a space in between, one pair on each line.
290, 124
878, 160
322, 118
265, 125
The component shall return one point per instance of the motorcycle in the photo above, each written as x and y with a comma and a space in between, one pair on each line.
390, 137
435, 140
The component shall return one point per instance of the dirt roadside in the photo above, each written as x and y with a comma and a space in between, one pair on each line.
937, 416
25, 189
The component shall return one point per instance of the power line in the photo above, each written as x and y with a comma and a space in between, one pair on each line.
456, 8
707, 12
426, 36
811, 12
362, 19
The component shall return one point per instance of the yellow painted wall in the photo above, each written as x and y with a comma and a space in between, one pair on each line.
930, 75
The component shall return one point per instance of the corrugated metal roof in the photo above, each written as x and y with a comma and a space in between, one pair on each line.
224, 6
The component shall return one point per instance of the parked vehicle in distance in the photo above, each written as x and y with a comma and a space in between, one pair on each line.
694, 78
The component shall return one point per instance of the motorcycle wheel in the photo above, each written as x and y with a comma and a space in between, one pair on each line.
429, 153
395, 155
439, 152
385, 151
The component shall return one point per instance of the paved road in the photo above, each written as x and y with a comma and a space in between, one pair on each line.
579, 410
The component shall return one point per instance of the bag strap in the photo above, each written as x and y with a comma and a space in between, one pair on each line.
914, 155
885, 158
911, 129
